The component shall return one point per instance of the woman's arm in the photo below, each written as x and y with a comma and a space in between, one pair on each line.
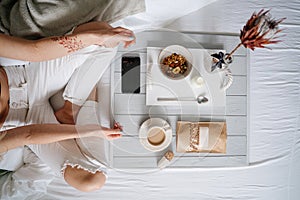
48, 133
93, 33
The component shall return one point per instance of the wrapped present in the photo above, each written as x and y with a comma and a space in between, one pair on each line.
201, 137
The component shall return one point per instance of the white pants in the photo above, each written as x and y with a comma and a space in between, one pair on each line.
78, 73
36, 170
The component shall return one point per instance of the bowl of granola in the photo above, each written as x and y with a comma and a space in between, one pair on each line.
175, 62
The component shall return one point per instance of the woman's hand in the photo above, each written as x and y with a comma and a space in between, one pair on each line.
105, 35
114, 133
117, 125
112, 37
99, 131
111, 134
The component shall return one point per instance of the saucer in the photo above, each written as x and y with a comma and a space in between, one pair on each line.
145, 127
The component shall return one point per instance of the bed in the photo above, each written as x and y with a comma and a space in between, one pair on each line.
274, 118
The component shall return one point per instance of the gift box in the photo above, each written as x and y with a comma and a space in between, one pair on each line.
201, 137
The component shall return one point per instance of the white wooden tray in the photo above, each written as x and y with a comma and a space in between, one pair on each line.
160, 87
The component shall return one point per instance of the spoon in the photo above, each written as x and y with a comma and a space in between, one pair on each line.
200, 99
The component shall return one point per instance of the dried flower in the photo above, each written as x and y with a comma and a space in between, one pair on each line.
259, 31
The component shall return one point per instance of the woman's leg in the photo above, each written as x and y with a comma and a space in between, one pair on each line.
74, 159
67, 160
78, 89
79, 71
68, 112
82, 82
92, 147
47, 78
84, 180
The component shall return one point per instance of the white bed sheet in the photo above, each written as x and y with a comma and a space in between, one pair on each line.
161, 13
274, 140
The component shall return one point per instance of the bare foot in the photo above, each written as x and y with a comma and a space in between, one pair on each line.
68, 113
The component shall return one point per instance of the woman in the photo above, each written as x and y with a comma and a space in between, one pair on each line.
25, 93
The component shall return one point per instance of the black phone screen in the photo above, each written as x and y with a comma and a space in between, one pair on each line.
131, 68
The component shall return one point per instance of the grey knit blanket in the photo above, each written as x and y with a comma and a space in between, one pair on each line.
35, 19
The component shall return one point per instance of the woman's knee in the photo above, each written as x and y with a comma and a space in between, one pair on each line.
83, 180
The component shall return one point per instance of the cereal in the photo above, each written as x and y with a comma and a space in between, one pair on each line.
174, 65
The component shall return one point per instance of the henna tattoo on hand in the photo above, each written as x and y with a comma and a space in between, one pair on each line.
70, 43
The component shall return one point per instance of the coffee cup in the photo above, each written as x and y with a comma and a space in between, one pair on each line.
156, 136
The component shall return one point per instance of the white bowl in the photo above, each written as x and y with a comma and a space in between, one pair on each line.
178, 50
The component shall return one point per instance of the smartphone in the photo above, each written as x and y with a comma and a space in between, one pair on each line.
131, 70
